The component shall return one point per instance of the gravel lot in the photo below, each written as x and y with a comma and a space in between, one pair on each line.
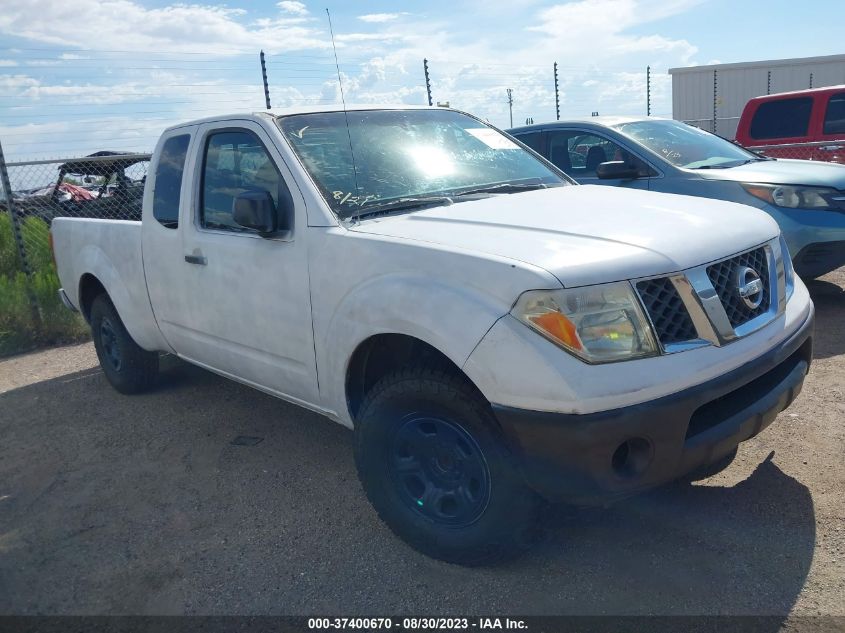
143, 505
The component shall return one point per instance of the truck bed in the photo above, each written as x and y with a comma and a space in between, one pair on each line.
110, 250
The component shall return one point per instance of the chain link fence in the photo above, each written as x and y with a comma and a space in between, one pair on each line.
106, 185
827, 151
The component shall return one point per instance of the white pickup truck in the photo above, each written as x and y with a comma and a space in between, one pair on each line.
496, 335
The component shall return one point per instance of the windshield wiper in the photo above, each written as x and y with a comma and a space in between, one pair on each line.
730, 165
401, 204
504, 187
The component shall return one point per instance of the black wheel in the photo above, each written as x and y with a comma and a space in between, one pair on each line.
127, 367
708, 470
437, 472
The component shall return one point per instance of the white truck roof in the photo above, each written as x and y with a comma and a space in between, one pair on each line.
304, 109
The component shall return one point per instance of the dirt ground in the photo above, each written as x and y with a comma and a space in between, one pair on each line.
144, 505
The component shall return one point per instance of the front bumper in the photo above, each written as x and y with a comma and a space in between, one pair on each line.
596, 457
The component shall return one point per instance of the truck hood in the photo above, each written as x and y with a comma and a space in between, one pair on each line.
782, 172
588, 234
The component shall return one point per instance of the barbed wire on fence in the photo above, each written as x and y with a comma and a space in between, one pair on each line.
76, 104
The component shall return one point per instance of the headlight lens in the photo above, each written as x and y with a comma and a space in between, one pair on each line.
792, 197
788, 270
599, 324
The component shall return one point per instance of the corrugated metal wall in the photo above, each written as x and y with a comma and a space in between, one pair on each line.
693, 95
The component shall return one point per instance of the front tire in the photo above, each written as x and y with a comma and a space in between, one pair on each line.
128, 368
436, 470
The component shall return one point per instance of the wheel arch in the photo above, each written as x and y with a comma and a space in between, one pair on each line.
89, 288
380, 354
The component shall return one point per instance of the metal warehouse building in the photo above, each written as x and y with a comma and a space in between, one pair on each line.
712, 97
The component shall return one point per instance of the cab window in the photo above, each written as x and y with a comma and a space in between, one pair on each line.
834, 117
782, 118
235, 162
168, 180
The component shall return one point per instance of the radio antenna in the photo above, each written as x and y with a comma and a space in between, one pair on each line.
343, 101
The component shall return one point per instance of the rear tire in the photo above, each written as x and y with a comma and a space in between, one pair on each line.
436, 470
128, 368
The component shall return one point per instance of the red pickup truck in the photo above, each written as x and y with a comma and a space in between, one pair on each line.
773, 124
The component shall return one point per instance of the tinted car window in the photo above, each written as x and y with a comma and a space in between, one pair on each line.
784, 118
168, 182
834, 118
531, 139
235, 161
578, 153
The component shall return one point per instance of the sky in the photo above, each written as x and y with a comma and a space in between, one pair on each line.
82, 76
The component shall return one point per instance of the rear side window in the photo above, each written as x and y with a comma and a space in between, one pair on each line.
834, 118
168, 183
531, 139
784, 118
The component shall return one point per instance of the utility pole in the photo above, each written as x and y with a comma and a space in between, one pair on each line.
557, 97
510, 104
427, 82
264, 77
715, 100
648, 90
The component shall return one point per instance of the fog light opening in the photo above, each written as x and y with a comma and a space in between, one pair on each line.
631, 458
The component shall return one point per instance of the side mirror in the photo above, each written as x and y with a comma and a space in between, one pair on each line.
617, 169
255, 210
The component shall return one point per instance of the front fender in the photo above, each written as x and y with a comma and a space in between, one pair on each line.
451, 319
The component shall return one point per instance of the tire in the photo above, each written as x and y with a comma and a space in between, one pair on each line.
438, 473
127, 367
709, 470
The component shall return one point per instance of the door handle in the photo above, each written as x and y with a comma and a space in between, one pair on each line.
196, 259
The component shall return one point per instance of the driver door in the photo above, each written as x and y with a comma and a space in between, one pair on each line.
240, 302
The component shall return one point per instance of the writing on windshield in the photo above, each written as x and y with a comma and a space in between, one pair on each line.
684, 145
387, 155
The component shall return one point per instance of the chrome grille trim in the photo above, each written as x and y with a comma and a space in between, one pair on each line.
704, 303
723, 276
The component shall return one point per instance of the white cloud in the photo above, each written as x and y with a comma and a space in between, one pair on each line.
587, 28
367, 37
377, 18
127, 25
8, 62
602, 61
292, 6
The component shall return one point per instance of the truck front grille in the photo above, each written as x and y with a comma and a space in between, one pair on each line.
714, 304
672, 322
723, 276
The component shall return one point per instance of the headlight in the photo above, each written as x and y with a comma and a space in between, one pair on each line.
792, 197
599, 324
788, 270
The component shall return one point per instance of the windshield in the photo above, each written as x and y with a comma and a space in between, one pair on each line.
686, 146
390, 158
